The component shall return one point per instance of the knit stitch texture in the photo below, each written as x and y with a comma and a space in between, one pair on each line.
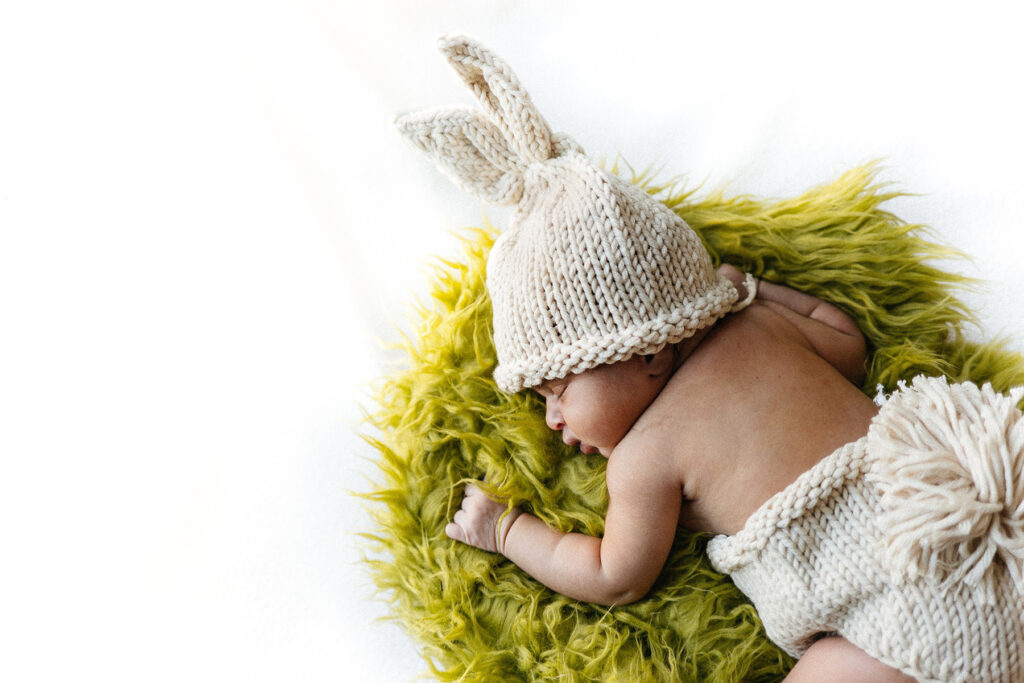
817, 559
440, 419
592, 270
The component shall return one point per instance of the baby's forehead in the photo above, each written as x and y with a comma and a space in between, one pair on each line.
556, 382
608, 370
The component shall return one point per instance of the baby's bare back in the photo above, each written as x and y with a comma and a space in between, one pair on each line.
749, 410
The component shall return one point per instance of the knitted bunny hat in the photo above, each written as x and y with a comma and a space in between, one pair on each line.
592, 270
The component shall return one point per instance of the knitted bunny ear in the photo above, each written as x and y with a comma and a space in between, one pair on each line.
469, 149
485, 151
503, 98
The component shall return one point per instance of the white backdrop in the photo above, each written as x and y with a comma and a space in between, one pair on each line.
207, 225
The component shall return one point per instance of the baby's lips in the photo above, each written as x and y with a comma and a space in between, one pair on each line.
569, 440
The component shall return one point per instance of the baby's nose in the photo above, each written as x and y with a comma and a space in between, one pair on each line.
553, 416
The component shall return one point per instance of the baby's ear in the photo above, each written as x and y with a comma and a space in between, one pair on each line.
661, 362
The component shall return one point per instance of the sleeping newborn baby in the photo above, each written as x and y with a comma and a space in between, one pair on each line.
876, 543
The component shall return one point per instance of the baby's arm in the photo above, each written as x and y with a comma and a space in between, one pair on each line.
833, 334
621, 567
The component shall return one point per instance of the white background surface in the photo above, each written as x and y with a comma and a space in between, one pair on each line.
207, 224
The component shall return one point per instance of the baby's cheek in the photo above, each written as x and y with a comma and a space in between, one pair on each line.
604, 431
616, 425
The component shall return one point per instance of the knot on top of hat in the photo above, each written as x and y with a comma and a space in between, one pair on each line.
950, 465
485, 150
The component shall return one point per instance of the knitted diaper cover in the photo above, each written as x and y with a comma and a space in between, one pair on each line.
909, 542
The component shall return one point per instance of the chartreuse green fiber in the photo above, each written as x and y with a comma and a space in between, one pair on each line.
441, 421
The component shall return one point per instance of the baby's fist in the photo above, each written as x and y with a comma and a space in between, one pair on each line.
482, 522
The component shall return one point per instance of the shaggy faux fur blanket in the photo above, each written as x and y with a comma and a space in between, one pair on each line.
441, 420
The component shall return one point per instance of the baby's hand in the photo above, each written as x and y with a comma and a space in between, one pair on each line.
482, 522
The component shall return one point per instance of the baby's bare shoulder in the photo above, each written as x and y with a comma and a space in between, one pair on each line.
742, 341
768, 335
648, 452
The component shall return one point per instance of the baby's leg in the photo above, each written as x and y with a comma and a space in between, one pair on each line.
837, 660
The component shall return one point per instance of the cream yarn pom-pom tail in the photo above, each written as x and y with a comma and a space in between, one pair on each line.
951, 468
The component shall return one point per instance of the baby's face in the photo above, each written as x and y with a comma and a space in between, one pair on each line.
596, 408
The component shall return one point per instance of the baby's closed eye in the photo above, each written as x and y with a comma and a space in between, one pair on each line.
551, 388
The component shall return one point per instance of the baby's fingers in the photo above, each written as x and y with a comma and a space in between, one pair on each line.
455, 532
459, 527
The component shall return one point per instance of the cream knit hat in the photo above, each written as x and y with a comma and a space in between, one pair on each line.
592, 270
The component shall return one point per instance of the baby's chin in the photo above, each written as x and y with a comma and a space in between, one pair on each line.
587, 449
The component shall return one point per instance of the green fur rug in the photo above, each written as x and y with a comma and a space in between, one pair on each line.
442, 420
